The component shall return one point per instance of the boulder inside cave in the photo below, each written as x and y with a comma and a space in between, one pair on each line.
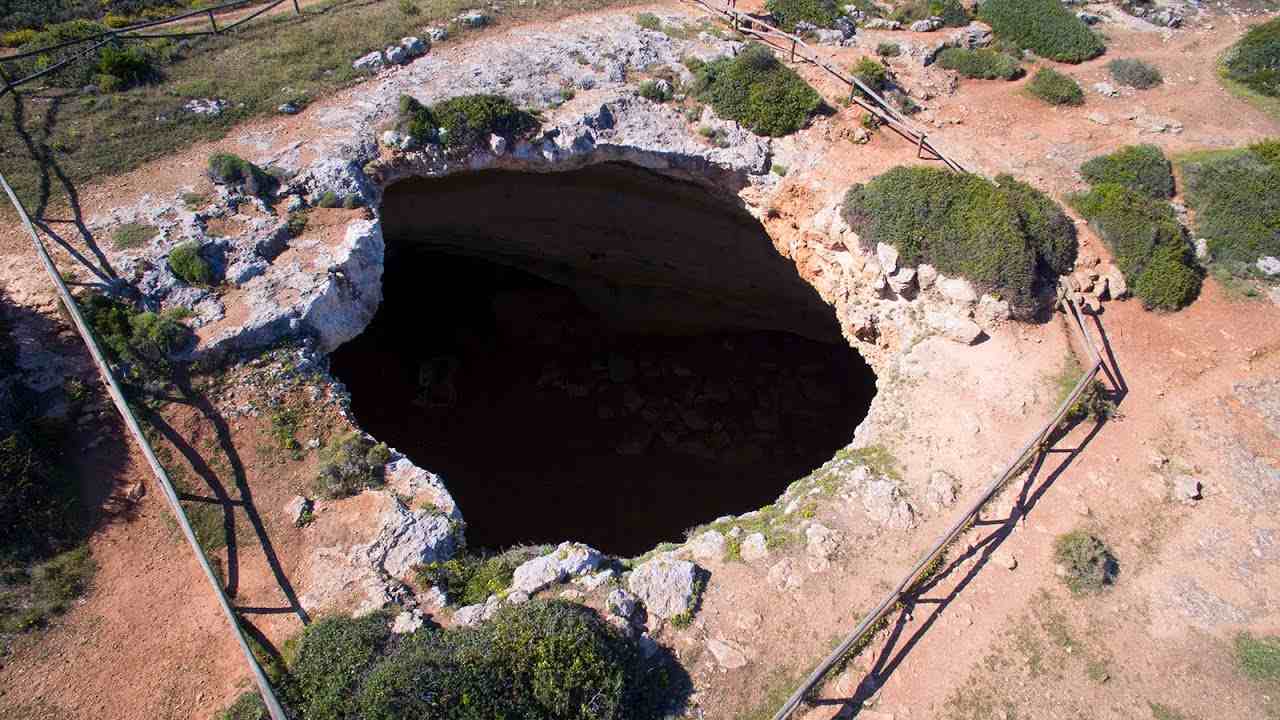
605, 355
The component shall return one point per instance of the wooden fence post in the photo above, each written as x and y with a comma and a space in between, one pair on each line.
793, 49
213, 22
296, 8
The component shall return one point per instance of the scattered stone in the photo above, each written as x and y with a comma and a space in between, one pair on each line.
926, 275
1269, 265
958, 290
784, 576
821, 541
708, 546
475, 614
372, 61
927, 25
567, 561
754, 547
1186, 488
396, 55
882, 500
1202, 250
207, 107
1099, 118
288, 109
1106, 89
409, 538
414, 46
941, 491
437, 33
595, 580
902, 281
498, 145
665, 586
888, 257
976, 35
954, 328
621, 603
406, 622
1117, 286
728, 655
882, 24
472, 19
297, 510
1089, 18
1005, 559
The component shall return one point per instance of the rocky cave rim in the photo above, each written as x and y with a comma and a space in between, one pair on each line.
698, 177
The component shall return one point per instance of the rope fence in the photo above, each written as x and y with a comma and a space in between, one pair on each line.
273, 706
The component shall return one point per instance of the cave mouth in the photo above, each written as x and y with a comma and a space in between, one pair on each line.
605, 355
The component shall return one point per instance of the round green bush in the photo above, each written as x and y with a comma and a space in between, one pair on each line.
233, 170
1139, 167
1087, 562
787, 13
1005, 236
185, 262
1044, 27
73, 75
331, 659
1255, 60
757, 90
460, 123
1134, 73
872, 74
980, 64
1055, 88
1169, 280
1235, 201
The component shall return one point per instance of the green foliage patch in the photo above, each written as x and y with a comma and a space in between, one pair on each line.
1004, 237
248, 706
1087, 563
655, 91
132, 235
1134, 73
1236, 199
757, 90
233, 170
460, 123
952, 13
131, 336
1258, 657
1044, 27
186, 263
872, 74
1143, 168
350, 463
471, 579
1254, 61
981, 64
332, 656
1055, 88
888, 49
821, 13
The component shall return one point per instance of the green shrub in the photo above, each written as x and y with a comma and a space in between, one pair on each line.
1138, 167
1134, 73
1254, 61
331, 658
460, 123
1005, 236
349, 464
17, 38
329, 199
248, 706
131, 65
409, 7
821, 13
981, 64
471, 579
1258, 657
1236, 204
888, 49
74, 75
649, 21
655, 91
156, 335
951, 12
31, 595
1087, 563
185, 262
757, 90
872, 74
233, 170
1044, 27
297, 224
1055, 88
131, 336
132, 235
1146, 241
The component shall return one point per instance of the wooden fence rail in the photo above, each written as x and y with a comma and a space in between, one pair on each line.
274, 708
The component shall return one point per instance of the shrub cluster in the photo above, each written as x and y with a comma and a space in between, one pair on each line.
350, 463
1254, 61
981, 64
1143, 168
821, 13
952, 13
471, 579
1146, 241
1237, 206
228, 169
1005, 236
872, 74
656, 91
888, 49
186, 263
757, 90
1134, 73
114, 66
539, 659
460, 123
131, 336
1044, 27
1087, 562
40, 13
1055, 88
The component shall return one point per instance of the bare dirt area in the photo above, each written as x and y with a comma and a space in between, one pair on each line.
995, 634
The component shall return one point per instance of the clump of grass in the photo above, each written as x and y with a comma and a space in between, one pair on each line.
980, 64
248, 706
1134, 73
872, 74
1044, 27
186, 263
951, 12
1236, 206
296, 224
131, 336
1143, 168
655, 91
132, 235
233, 170
1258, 657
649, 21
1088, 564
460, 123
350, 463
31, 596
471, 579
329, 199
757, 90
1005, 237
1055, 88
1254, 61
820, 13
888, 49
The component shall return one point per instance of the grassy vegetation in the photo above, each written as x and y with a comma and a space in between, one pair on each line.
228, 169
757, 90
132, 235
248, 706
461, 123
1005, 237
1044, 27
821, 13
186, 263
1258, 657
952, 13
655, 91
1147, 242
1254, 61
1055, 88
981, 64
28, 14
274, 59
140, 339
471, 579
1143, 168
1087, 563
1236, 204
872, 74
1134, 73
888, 49
350, 463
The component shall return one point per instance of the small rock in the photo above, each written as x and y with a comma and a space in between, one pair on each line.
665, 586
927, 25
1089, 18
882, 24
754, 547
941, 491
372, 61
821, 541
1117, 287
1202, 250
297, 509
621, 603
288, 109
1186, 488
958, 290
414, 46
1269, 265
926, 275
901, 281
566, 561
1005, 559
1106, 89
708, 546
498, 144
396, 55
954, 328
888, 257
406, 622
472, 19
784, 576
728, 655
437, 33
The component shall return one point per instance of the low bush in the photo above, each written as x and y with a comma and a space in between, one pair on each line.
296, 224
134, 337
655, 90
758, 91
1254, 61
952, 13
649, 21
1005, 237
460, 123
980, 64
1146, 241
330, 658
17, 38
1258, 657
350, 463
872, 74
1134, 73
74, 75
1236, 205
821, 13
31, 595
1044, 27
233, 170
1086, 563
129, 65
248, 706
1143, 168
888, 49
1055, 88
471, 579
186, 263
132, 235
329, 199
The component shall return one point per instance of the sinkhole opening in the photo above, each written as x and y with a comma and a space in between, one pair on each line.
605, 355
